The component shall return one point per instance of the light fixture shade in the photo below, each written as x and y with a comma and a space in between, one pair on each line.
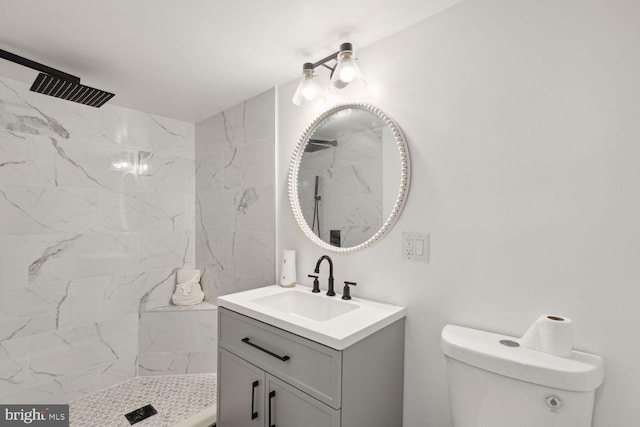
347, 78
308, 89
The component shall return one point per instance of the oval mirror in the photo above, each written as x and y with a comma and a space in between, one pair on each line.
349, 177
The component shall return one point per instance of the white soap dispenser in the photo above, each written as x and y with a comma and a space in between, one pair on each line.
288, 269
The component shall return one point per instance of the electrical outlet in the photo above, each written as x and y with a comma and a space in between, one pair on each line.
415, 246
408, 246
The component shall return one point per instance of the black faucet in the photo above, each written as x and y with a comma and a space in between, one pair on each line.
330, 291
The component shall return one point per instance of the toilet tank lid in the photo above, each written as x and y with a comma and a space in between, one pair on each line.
580, 372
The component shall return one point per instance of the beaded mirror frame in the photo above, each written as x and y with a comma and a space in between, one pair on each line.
294, 169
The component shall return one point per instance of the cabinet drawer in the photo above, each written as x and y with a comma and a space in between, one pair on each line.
307, 365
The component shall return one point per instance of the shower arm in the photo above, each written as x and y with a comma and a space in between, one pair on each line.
37, 66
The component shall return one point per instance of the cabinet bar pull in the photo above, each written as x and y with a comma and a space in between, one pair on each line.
254, 413
272, 394
270, 353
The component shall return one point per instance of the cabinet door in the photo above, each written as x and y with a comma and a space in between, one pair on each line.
241, 391
289, 407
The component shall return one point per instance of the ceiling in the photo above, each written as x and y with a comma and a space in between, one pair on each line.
190, 59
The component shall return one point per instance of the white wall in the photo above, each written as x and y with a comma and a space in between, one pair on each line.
522, 122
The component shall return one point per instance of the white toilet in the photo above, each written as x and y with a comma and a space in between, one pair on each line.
493, 382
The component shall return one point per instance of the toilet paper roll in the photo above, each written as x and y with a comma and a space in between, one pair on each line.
550, 334
288, 268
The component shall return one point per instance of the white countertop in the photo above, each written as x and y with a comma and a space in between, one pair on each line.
339, 332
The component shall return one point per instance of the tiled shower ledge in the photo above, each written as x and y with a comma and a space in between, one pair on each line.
204, 305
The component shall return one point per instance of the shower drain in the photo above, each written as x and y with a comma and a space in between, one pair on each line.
140, 414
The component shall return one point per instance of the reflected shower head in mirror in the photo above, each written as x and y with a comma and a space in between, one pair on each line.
319, 144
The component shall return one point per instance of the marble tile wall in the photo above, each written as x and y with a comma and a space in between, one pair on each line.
176, 341
96, 213
235, 197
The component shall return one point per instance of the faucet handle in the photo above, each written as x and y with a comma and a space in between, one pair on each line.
316, 284
346, 292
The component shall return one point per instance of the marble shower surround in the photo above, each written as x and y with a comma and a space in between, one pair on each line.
83, 246
178, 340
235, 206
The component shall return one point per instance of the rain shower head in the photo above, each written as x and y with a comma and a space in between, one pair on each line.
70, 91
56, 83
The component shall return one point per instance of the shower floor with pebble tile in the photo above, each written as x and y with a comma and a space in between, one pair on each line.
175, 397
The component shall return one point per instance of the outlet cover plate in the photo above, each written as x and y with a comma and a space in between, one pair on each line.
415, 246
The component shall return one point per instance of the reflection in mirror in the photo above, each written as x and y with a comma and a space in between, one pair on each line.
352, 176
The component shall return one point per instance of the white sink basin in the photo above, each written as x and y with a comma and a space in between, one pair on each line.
331, 321
306, 305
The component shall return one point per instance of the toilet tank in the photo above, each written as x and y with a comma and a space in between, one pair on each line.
493, 382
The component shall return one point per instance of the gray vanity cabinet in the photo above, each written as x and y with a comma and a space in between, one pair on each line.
271, 377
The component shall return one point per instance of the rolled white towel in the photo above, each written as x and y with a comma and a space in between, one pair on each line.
186, 275
188, 290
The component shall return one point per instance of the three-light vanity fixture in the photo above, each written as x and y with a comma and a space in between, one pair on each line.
345, 76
